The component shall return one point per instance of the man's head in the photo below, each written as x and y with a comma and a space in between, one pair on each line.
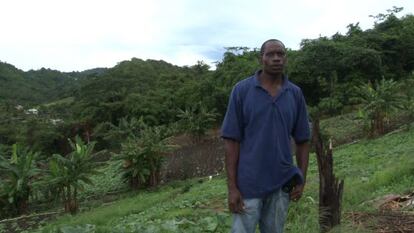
273, 57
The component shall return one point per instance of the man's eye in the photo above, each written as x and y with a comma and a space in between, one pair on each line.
272, 54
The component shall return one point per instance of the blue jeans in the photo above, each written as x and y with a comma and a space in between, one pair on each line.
270, 212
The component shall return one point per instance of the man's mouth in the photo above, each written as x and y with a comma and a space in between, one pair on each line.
276, 67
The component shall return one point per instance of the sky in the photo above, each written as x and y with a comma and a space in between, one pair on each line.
76, 35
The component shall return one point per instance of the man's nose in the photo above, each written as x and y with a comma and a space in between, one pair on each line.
276, 58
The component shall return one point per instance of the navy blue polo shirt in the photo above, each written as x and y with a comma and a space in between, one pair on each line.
264, 126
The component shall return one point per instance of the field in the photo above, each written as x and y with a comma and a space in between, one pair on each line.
371, 169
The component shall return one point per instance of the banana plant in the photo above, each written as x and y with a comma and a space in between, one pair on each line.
17, 176
378, 102
67, 174
143, 156
197, 119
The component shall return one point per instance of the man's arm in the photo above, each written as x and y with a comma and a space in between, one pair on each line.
232, 158
302, 160
301, 134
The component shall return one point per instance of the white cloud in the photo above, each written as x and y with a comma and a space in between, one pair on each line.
77, 35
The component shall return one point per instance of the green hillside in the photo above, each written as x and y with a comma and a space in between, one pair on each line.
360, 84
36, 87
328, 70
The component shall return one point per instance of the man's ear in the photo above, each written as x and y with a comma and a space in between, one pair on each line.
260, 59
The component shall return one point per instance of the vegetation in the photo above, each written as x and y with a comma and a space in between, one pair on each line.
18, 174
196, 120
132, 109
408, 101
143, 156
378, 103
66, 175
371, 168
327, 69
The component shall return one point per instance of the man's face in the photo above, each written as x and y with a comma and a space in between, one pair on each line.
273, 58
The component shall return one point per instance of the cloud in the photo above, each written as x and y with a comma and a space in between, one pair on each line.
77, 35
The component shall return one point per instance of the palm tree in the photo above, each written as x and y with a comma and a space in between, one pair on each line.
18, 174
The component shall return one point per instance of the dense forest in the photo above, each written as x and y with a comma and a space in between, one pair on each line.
139, 100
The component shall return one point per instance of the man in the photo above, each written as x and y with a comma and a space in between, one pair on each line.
264, 112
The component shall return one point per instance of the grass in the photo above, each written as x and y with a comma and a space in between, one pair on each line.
343, 128
171, 207
370, 168
373, 168
349, 127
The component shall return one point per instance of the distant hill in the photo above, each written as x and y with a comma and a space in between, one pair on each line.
35, 86
14, 86
40, 86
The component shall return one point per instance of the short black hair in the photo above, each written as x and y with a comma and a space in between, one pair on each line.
270, 40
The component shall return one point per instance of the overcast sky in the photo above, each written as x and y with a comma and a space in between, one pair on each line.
75, 35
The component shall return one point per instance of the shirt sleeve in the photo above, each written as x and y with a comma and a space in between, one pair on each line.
232, 127
301, 130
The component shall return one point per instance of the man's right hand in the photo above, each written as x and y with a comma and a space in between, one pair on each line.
236, 204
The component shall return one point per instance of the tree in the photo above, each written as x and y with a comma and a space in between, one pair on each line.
197, 119
114, 135
143, 156
390, 13
67, 174
378, 102
326, 68
331, 105
18, 174
201, 67
237, 64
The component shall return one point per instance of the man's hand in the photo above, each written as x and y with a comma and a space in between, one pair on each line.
232, 159
296, 193
235, 201
302, 159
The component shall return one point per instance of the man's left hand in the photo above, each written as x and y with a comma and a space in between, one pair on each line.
296, 193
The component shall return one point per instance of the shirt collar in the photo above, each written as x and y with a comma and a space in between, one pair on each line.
257, 82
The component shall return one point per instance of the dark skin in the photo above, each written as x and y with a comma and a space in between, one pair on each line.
235, 200
273, 61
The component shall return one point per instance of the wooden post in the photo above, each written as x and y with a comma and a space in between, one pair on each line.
330, 189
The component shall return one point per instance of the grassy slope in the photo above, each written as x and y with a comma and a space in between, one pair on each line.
371, 168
